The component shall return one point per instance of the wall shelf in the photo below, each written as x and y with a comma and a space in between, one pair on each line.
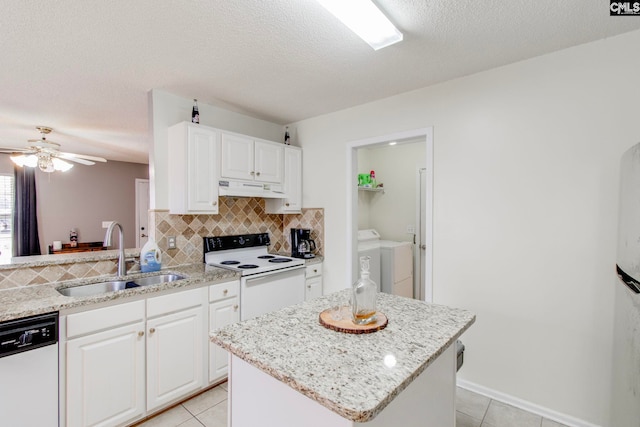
371, 190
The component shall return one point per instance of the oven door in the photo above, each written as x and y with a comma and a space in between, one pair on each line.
267, 292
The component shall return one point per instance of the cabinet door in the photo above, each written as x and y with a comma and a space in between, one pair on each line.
313, 288
202, 161
105, 377
293, 179
269, 157
174, 356
221, 313
237, 157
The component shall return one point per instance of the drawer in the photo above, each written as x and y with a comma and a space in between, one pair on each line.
313, 270
104, 318
223, 290
175, 302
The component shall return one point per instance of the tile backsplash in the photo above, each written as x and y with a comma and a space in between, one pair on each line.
238, 215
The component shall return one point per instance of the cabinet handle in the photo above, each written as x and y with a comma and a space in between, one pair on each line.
252, 173
315, 270
141, 333
286, 204
309, 286
235, 307
152, 330
258, 173
225, 292
215, 202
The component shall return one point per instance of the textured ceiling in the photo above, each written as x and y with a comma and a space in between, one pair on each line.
84, 68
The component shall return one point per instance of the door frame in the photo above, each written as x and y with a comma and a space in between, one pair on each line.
352, 200
139, 181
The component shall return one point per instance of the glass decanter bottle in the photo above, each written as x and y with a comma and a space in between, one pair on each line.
363, 301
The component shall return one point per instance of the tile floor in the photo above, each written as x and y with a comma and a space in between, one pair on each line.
209, 409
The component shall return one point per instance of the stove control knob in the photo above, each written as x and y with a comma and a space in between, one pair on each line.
241, 240
25, 338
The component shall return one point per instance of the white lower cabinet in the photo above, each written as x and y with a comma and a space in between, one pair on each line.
313, 281
126, 361
224, 309
175, 346
105, 378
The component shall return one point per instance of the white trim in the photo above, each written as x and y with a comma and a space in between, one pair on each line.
547, 413
352, 198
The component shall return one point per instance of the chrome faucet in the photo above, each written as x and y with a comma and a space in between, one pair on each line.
122, 262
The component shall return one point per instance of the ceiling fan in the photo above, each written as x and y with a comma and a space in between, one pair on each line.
46, 154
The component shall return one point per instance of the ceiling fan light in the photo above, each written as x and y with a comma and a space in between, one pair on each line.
61, 165
45, 164
24, 160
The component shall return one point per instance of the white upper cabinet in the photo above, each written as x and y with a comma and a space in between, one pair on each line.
292, 184
251, 159
193, 169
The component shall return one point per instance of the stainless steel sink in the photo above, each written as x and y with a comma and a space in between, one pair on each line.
117, 285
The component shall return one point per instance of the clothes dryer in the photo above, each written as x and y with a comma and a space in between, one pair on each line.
394, 262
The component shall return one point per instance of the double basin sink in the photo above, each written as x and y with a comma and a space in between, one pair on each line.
118, 285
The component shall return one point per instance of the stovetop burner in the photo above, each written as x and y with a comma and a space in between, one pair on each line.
278, 260
247, 254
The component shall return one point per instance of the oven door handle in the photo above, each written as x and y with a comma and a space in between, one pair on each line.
273, 275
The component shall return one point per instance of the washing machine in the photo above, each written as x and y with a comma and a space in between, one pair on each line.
394, 262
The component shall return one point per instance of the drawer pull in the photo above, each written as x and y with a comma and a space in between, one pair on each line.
141, 333
152, 330
226, 291
214, 203
252, 173
309, 286
286, 204
235, 307
257, 173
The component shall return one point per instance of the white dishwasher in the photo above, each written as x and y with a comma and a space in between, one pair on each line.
29, 371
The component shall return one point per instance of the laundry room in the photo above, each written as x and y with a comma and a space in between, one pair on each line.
388, 212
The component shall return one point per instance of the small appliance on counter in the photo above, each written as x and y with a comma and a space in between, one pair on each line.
302, 246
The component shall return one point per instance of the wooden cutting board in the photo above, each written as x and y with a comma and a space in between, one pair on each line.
341, 322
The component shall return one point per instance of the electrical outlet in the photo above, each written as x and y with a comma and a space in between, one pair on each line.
171, 242
411, 229
106, 224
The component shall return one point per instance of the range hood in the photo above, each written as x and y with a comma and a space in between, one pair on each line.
250, 189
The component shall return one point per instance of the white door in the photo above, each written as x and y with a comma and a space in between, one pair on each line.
105, 377
422, 237
142, 212
237, 157
269, 159
221, 313
174, 356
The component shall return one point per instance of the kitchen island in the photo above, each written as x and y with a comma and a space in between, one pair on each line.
288, 370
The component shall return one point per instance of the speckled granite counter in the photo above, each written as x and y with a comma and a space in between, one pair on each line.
37, 299
346, 373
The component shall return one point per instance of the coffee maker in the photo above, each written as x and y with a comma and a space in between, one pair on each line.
301, 244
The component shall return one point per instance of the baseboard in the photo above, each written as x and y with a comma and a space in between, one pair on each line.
526, 405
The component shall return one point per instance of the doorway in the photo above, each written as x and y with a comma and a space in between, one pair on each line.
417, 227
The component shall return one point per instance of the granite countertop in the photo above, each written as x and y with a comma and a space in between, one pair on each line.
356, 376
38, 299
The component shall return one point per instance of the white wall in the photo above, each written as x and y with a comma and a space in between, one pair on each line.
525, 211
397, 168
167, 109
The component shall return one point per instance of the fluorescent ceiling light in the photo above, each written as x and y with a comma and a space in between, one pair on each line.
366, 20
